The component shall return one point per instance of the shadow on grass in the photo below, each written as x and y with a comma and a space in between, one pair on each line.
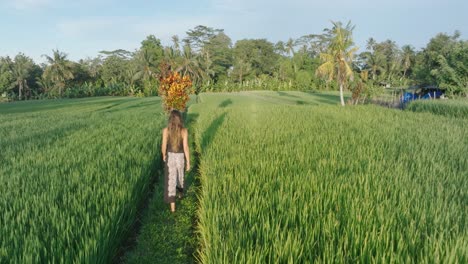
54, 104
114, 106
133, 231
330, 99
300, 102
134, 105
210, 132
225, 103
287, 94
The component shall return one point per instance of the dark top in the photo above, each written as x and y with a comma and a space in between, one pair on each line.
179, 149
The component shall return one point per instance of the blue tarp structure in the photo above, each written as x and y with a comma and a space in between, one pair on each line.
407, 97
425, 93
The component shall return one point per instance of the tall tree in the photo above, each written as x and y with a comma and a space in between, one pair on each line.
199, 36
59, 69
114, 69
374, 62
337, 60
280, 48
189, 65
6, 78
21, 69
408, 54
392, 57
259, 54
147, 65
443, 63
218, 50
290, 44
93, 66
148, 58
176, 44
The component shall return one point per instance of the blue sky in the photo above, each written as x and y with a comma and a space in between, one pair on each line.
82, 28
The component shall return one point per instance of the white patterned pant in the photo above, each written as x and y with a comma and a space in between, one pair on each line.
175, 167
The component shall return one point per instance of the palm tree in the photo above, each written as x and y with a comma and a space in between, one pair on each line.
176, 45
20, 71
189, 64
390, 51
280, 47
337, 60
374, 62
290, 50
290, 46
44, 83
241, 69
408, 57
172, 56
371, 44
59, 69
147, 65
206, 66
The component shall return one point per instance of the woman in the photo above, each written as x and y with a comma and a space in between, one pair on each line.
174, 148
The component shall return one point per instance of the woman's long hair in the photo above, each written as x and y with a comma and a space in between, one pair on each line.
174, 127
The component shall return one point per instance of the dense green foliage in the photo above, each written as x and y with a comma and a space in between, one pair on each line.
453, 108
72, 175
444, 62
286, 181
215, 63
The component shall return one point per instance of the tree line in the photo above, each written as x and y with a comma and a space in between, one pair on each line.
215, 63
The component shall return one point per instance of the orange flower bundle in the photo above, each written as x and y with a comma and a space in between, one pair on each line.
174, 90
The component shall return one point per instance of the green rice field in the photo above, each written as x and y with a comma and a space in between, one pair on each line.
72, 175
281, 177
451, 108
312, 183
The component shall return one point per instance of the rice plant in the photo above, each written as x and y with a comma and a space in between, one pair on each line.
285, 183
72, 174
450, 108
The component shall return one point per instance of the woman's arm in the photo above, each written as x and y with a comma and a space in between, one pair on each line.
164, 144
186, 149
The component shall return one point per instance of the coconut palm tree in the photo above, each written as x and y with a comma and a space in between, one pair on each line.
290, 50
290, 47
189, 64
280, 48
20, 71
206, 66
59, 69
337, 60
408, 58
371, 44
176, 44
44, 83
374, 62
147, 65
